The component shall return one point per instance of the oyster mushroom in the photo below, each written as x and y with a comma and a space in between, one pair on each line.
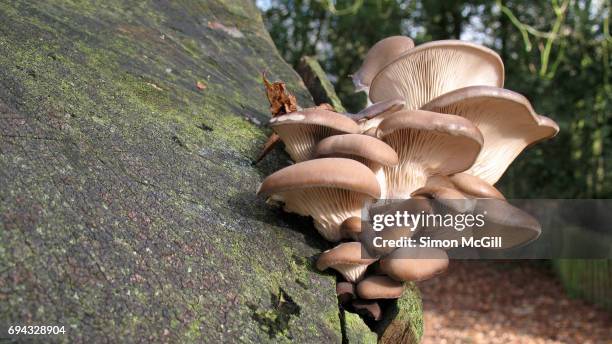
370, 117
427, 144
368, 308
368, 150
300, 131
414, 264
381, 54
351, 228
379, 287
345, 291
435, 68
469, 185
330, 190
506, 119
347, 259
514, 226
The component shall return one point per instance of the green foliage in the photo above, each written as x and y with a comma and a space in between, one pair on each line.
556, 53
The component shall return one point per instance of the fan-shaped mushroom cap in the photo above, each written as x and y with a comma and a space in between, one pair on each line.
435, 68
414, 264
381, 54
351, 228
363, 148
427, 144
369, 308
514, 226
506, 119
438, 192
330, 190
302, 130
347, 259
379, 287
469, 185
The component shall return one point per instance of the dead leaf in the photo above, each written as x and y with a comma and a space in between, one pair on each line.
281, 101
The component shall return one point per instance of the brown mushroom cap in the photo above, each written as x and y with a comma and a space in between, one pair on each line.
365, 148
475, 187
329, 190
506, 119
351, 228
438, 192
379, 287
302, 130
347, 259
381, 54
514, 226
427, 144
368, 308
414, 264
435, 68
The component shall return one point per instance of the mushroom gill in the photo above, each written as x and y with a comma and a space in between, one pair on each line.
435, 68
300, 131
427, 144
330, 190
506, 119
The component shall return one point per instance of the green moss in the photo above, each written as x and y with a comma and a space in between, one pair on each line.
357, 331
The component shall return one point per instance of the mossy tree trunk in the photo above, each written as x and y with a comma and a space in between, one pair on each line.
127, 195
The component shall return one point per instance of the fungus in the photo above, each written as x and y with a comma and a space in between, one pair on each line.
506, 119
370, 117
345, 291
330, 190
469, 185
414, 264
435, 68
427, 144
379, 287
347, 259
514, 226
351, 228
381, 54
302, 130
368, 150
368, 308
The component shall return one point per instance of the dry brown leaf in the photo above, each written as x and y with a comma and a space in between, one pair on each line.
281, 101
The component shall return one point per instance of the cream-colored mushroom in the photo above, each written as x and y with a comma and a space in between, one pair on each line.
300, 131
427, 144
330, 190
381, 54
348, 259
368, 150
506, 119
432, 69
414, 263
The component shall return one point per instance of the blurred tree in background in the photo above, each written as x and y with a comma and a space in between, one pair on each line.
556, 53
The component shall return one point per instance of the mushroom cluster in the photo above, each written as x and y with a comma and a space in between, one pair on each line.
438, 125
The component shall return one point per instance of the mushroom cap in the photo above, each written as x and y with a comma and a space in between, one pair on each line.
357, 145
351, 227
337, 173
345, 291
346, 258
379, 109
302, 130
438, 192
427, 143
473, 186
379, 287
515, 226
379, 55
435, 68
506, 119
414, 264
368, 308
